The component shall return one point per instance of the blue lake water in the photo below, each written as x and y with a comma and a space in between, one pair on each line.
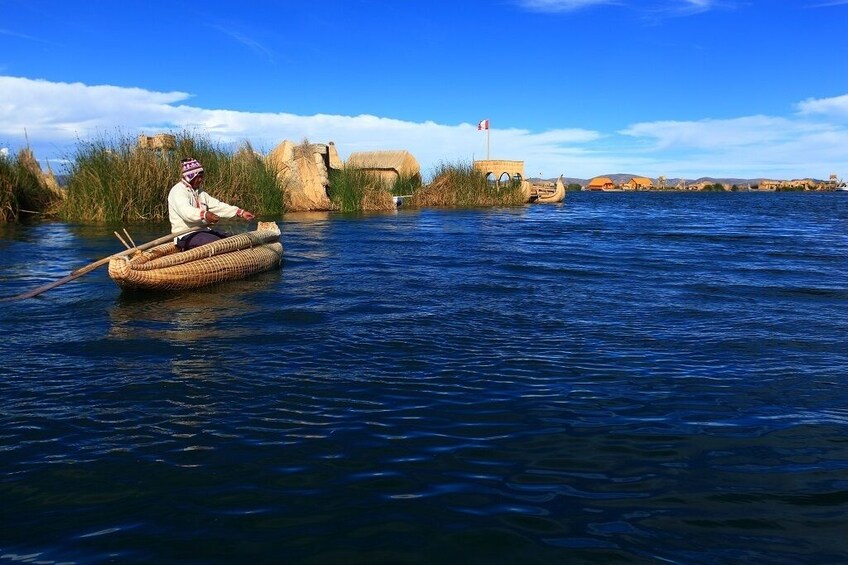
629, 378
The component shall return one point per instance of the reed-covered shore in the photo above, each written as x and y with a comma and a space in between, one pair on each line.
25, 189
112, 180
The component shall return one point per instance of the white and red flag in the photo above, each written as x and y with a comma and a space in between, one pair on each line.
483, 124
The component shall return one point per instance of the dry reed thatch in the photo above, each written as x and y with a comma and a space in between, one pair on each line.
164, 267
441, 193
377, 199
24, 188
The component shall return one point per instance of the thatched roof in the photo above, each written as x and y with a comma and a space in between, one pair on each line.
402, 162
601, 181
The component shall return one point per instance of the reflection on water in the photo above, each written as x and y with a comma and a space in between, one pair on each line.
305, 218
194, 319
190, 316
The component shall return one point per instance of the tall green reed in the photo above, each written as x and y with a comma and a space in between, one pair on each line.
460, 185
356, 190
113, 180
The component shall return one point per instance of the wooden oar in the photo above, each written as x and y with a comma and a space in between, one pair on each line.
90, 267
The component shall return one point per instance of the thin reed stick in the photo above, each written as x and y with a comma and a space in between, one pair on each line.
121, 239
129, 237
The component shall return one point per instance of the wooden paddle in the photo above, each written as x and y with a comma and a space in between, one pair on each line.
90, 267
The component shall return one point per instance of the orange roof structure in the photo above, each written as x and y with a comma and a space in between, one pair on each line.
601, 182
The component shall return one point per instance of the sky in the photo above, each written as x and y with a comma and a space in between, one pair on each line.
580, 88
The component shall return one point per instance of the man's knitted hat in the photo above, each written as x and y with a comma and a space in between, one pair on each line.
191, 168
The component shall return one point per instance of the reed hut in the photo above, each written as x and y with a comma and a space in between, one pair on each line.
601, 183
389, 166
158, 142
638, 183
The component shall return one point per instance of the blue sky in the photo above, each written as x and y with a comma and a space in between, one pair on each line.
725, 88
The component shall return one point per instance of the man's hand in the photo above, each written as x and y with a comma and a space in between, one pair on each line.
245, 214
211, 217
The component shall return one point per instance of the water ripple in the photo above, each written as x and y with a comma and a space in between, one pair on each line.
629, 377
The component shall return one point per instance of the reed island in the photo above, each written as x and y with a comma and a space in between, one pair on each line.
126, 180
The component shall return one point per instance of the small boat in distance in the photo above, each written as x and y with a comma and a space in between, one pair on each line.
536, 194
165, 267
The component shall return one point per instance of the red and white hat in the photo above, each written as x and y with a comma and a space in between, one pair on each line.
190, 169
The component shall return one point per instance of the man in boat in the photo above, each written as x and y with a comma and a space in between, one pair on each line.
190, 206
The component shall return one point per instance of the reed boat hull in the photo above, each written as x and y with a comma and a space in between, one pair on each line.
546, 194
165, 267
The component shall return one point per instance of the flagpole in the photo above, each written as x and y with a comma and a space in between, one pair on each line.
484, 124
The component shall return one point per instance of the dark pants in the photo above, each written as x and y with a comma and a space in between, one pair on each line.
198, 238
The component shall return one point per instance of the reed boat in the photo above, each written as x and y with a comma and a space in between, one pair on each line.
165, 267
546, 194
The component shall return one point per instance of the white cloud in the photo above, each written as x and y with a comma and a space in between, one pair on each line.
699, 4
751, 146
17, 35
57, 115
61, 112
11, 33
561, 5
53, 117
4, 152
665, 9
249, 42
834, 107
829, 4
712, 134
655, 9
689, 7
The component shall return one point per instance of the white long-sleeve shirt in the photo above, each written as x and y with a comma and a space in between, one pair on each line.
185, 205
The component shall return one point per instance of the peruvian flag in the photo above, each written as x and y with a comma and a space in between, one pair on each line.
484, 124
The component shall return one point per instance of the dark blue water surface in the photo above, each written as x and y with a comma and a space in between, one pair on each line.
630, 378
